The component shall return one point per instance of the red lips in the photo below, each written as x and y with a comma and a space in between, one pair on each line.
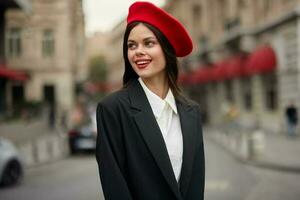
142, 63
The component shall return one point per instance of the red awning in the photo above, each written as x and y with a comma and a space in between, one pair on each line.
235, 67
219, 71
183, 78
12, 74
222, 70
202, 75
191, 77
206, 75
262, 60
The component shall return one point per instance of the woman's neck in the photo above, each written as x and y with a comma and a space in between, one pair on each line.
158, 86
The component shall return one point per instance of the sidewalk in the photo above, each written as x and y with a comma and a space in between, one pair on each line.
22, 131
37, 143
272, 151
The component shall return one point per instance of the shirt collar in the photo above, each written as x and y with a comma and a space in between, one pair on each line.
157, 104
171, 101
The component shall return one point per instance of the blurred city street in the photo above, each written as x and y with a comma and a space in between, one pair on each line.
77, 178
58, 59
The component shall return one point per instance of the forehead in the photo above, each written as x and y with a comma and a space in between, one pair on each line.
140, 32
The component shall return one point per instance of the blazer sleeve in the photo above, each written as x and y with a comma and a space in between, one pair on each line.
110, 154
201, 153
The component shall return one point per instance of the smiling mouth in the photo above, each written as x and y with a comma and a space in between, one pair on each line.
142, 63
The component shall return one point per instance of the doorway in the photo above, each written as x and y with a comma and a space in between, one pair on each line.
18, 99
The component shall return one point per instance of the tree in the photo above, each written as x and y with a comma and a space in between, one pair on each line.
97, 69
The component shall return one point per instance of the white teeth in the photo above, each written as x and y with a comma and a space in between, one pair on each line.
142, 62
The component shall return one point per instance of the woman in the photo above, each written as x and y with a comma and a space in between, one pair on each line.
149, 144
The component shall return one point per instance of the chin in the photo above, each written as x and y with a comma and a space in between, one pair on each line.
145, 76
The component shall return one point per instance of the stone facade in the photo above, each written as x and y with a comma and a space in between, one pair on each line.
51, 50
224, 28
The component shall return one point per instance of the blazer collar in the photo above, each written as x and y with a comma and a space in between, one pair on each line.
150, 131
189, 123
156, 102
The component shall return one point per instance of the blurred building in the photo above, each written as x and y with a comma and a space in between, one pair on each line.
7, 75
246, 56
115, 56
110, 46
96, 44
47, 43
103, 44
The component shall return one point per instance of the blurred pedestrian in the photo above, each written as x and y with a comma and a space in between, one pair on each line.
63, 119
149, 143
51, 115
233, 114
77, 114
291, 114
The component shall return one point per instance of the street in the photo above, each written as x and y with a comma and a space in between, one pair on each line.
73, 178
228, 179
77, 178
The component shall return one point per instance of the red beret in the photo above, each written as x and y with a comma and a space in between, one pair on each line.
167, 24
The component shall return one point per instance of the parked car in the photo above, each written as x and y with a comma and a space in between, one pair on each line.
11, 165
82, 138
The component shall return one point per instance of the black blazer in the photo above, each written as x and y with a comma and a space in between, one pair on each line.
132, 156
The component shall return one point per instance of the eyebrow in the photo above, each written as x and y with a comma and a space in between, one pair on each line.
145, 39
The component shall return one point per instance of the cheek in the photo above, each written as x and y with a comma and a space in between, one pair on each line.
129, 56
161, 59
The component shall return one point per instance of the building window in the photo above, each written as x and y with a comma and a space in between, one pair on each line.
48, 43
221, 13
266, 7
270, 91
232, 24
14, 42
197, 12
197, 15
247, 93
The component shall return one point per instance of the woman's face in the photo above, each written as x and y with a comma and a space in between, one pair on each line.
145, 53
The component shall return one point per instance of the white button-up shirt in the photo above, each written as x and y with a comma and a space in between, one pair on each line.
166, 115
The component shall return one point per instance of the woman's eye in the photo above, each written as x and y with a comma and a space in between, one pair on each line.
149, 43
131, 46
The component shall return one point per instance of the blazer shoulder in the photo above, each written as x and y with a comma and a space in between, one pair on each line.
113, 100
189, 102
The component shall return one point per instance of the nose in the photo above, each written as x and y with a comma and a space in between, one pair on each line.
140, 51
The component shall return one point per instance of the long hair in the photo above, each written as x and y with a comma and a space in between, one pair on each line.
170, 56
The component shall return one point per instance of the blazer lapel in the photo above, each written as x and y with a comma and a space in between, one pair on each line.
150, 131
188, 120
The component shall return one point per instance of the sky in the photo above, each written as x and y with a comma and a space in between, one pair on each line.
103, 15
